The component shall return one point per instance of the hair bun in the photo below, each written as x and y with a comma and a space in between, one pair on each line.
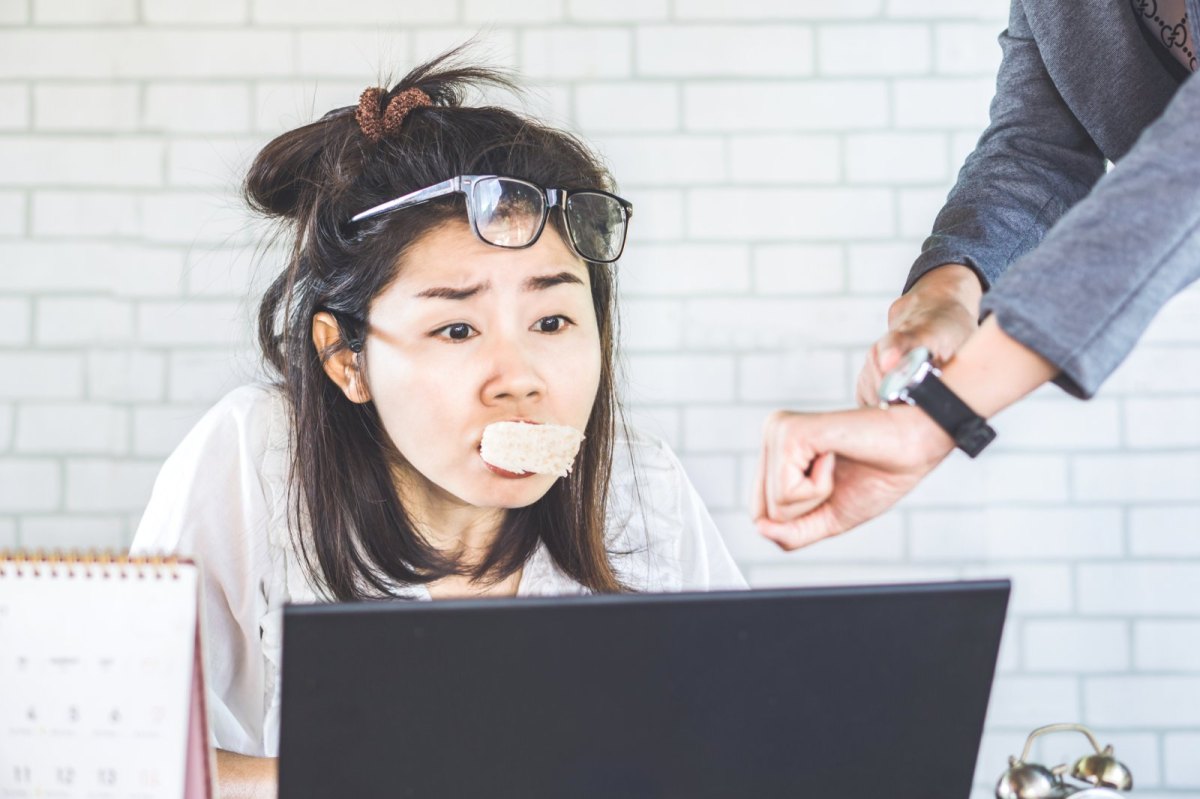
320, 161
283, 176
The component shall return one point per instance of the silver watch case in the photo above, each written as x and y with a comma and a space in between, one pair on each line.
914, 367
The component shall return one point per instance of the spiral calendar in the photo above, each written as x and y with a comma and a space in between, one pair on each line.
101, 678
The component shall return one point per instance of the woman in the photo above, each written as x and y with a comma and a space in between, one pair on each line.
424, 299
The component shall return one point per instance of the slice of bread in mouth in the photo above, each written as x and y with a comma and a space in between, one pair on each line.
540, 448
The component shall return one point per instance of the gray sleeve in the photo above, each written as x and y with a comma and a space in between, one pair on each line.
1034, 161
1086, 294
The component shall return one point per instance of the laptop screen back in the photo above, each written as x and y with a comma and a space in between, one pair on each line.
848, 692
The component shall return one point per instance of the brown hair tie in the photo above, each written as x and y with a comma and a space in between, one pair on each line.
376, 123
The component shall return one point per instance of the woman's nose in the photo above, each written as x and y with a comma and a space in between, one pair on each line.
514, 374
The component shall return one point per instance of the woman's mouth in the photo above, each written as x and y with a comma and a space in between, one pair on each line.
518, 448
504, 472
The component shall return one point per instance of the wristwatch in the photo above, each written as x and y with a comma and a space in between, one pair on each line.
916, 381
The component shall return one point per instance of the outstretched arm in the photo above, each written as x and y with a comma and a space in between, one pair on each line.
1034, 161
824, 473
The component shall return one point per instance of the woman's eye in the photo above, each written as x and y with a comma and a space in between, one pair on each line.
456, 332
552, 324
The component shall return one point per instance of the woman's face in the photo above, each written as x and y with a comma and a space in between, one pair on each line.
469, 334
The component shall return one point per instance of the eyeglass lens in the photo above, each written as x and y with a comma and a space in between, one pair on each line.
597, 224
510, 213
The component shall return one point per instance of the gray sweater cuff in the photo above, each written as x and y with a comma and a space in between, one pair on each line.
934, 257
1074, 376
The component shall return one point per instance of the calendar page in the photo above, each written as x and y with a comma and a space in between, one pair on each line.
98, 661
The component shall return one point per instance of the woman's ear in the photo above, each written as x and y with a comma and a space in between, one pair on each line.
343, 366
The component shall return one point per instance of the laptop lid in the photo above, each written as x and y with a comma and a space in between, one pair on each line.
851, 692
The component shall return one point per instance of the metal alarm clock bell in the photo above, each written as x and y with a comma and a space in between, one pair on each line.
1090, 777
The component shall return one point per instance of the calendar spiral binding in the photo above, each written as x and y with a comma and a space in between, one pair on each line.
89, 565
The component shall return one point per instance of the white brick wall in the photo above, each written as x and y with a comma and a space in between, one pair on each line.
1142, 701
866, 49
196, 108
812, 159
14, 321
6, 427
692, 51
105, 107
619, 106
15, 113
175, 12
51, 160
12, 213
782, 106
66, 428
1152, 531
786, 158
775, 270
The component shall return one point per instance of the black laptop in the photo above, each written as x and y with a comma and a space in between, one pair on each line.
847, 692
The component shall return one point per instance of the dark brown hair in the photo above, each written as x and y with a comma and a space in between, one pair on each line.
347, 518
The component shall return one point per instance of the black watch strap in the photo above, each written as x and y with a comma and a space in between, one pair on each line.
970, 431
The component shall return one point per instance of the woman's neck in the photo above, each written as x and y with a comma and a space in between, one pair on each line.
467, 534
453, 527
464, 532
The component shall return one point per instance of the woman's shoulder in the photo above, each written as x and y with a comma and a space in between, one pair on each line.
248, 421
637, 447
244, 435
660, 532
252, 397
253, 405
647, 479
223, 480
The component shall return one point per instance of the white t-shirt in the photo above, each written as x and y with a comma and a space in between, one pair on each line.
221, 498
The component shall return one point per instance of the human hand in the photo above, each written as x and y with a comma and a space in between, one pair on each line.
822, 474
939, 312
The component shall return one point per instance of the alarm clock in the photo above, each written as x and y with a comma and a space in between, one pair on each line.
1094, 776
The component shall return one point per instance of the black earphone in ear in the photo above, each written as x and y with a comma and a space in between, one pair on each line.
348, 329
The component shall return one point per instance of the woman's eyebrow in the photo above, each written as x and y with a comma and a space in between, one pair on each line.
539, 283
447, 293
549, 281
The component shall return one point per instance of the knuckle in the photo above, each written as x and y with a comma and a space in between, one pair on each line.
782, 427
908, 337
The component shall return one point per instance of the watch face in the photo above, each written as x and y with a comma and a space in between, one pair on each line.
895, 381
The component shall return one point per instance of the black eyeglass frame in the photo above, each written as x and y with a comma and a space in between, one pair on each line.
465, 184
